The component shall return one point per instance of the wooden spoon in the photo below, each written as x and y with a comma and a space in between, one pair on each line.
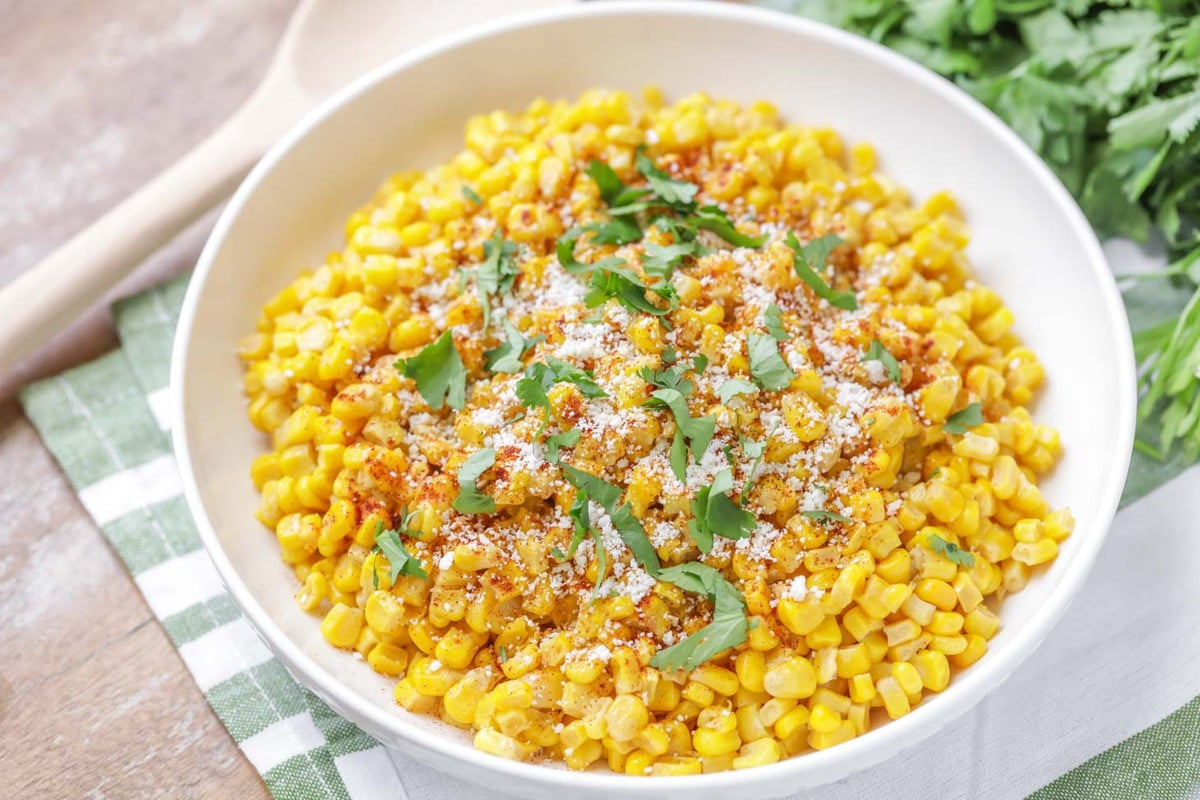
327, 44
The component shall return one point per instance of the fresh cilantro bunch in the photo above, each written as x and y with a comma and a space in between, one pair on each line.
1108, 92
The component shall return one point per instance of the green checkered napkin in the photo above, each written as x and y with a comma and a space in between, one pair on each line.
106, 423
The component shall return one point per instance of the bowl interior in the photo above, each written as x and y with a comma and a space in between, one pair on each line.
1028, 244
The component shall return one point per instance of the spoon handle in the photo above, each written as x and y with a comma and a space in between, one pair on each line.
44, 299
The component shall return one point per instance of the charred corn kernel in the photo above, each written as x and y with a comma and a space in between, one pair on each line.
792, 722
798, 616
431, 677
945, 623
907, 676
862, 688
498, 744
751, 669
342, 625
627, 716
677, 765
699, 694
933, 668
938, 593
758, 753
823, 719
719, 679
895, 701
791, 678
982, 622
1033, 553
974, 648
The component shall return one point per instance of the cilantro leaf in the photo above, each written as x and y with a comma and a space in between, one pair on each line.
773, 319
697, 432
951, 551
607, 180
497, 272
507, 356
712, 218
671, 191
470, 194
400, 562
663, 260
767, 367
628, 527
565, 251
470, 500
438, 372
733, 387
877, 352
809, 261
727, 629
755, 450
958, 422
668, 378
616, 231
715, 513
566, 372
622, 283
825, 517
554, 443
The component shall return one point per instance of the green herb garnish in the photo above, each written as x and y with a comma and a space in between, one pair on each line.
628, 527
715, 513
727, 629
825, 517
877, 352
470, 500
958, 422
951, 551
733, 387
507, 356
400, 562
767, 367
438, 372
773, 319
691, 433
809, 261
497, 273
469, 194
558, 441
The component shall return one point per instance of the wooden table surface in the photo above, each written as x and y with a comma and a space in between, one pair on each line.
96, 97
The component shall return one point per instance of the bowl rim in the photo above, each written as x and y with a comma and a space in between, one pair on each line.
970, 687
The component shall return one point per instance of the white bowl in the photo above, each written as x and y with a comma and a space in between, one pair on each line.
1031, 243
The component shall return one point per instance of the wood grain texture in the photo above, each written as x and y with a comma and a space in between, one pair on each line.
97, 96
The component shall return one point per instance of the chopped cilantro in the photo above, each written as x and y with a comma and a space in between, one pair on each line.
438, 372
469, 194
715, 513
671, 191
951, 551
727, 629
755, 450
825, 517
503, 654
664, 259
733, 387
767, 367
558, 441
695, 432
507, 356
712, 218
497, 272
628, 527
470, 500
877, 352
400, 562
773, 319
958, 422
809, 263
